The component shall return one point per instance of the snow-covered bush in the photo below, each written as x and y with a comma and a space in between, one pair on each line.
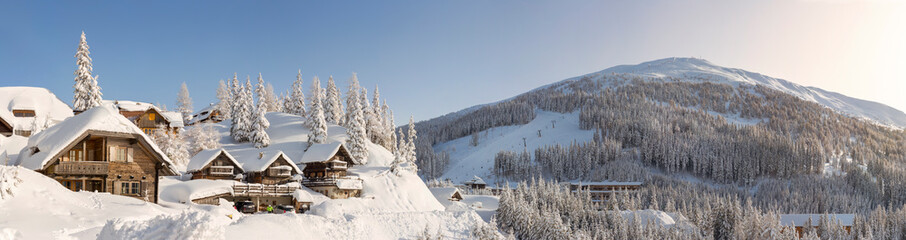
9, 180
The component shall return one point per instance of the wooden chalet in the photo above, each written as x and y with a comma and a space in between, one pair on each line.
325, 172
99, 150
801, 221
24, 110
214, 164
209, 114
269, 168
476, 183
148, 117
601, 191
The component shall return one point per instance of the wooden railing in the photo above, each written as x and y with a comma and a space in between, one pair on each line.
221, 170
257, 190
82, 168
278, 172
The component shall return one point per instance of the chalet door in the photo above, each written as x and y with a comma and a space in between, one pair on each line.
94, 185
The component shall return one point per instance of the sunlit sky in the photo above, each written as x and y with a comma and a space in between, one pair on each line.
434, 57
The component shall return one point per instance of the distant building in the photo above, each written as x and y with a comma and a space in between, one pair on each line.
446, 195
98, 150
476, 183
207, 115
325, 172
25, 110
269, 168
801, 221
601, 191
214, 164
148, 117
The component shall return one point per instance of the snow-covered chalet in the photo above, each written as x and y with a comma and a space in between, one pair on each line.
24, 110
99, 150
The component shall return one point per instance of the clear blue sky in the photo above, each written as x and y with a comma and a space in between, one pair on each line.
434, 57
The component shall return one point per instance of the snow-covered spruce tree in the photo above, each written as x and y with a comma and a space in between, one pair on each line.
393, 147
315, 122
358, 137
203, 136
375, 121
410, 143
333, 109
271, 99
184, 103
352, 96
243, 113
259, 120
173, 144
87, 93
295, 103
224, 97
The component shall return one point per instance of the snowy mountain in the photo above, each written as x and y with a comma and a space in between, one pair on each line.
695, 70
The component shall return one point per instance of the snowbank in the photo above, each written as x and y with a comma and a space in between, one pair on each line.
175, 191
186, 225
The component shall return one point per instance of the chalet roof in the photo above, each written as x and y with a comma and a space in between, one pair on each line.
323, 152
201, 159
130, 106
444, 193
605, 183
45, 145
303, 194
801, 219
256, 164
48, 108
476, 180
202, 114
174, 118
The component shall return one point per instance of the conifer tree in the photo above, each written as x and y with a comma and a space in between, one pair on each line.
358, 137
295, 103
224, 97
271, 100
184, 103
410, 143
204, 137
375, 122
315, 122
259, 120
333, 109
87, 93
352, 97
242, 116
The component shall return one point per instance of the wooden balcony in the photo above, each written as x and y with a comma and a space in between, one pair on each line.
279, 171
259, 190
221, 170
82, 168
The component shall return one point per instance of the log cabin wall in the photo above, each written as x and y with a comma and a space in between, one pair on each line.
207, 172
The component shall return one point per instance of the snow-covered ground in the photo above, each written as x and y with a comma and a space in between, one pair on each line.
467, 160
392, 206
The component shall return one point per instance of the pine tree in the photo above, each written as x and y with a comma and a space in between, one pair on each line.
173, 144
333, 109
375, 124
242, 115
271, 99
410, 143
204, 137
358, 137
315, 122
224, 97
259, 120
352, 97
390, 125
295, 104
184, 103
87, 93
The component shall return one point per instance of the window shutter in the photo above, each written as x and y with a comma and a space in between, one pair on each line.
90, 155
110, 151
129, 154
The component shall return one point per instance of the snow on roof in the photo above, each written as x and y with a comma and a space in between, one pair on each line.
351, 184
187, 191
476, 180
202, 114
174, 118
46, 144
257, 164
801, 219
444, 193
204, 157
321, 152
131, 106
48, 108
304, 194
606, 183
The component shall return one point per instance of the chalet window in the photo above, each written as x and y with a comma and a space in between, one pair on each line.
24, 133
121, 154
130, 188
75, 155
135, 187
148, 131
24, 113
151, 116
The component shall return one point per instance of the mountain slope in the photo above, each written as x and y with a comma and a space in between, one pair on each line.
693, 69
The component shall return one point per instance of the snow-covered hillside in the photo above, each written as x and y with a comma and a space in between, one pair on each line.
467, 160
694, 69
